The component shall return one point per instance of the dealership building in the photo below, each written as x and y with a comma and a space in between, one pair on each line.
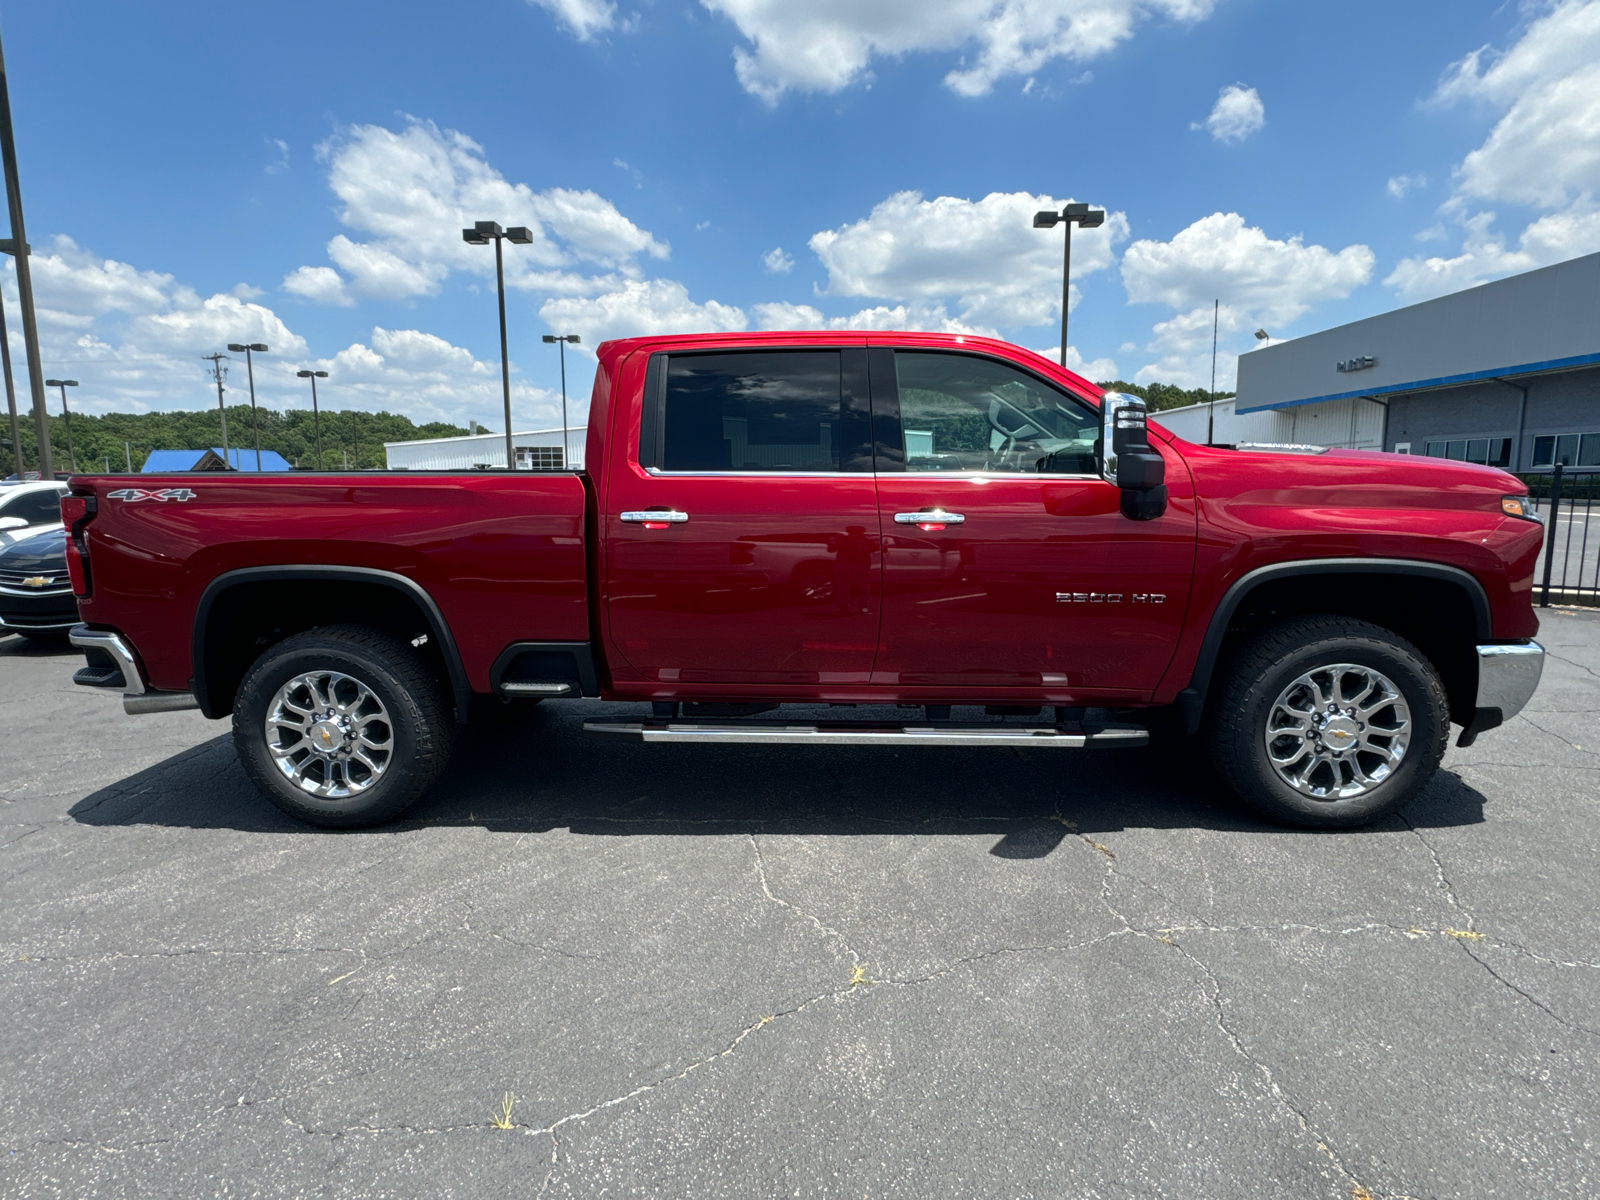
1507, 374
536, 450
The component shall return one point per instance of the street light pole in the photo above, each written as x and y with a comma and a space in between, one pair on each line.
17, 244
316, 417
64, 384
481, 234
1072, 214
250, 369
561, 339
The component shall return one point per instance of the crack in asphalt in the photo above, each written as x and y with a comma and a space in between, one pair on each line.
766, 890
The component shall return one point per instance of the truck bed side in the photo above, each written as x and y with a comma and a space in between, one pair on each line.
500, 556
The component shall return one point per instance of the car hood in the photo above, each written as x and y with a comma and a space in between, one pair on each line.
45, 549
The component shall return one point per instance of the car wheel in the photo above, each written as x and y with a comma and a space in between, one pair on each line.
1328, 722
342, 726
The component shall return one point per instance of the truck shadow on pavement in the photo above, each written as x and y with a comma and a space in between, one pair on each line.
534, 770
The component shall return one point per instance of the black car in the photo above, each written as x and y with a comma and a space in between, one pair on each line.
35, 593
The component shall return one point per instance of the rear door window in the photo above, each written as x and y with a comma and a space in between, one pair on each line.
758, 411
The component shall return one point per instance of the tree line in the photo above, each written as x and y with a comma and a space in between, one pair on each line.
116, 440
1159, 396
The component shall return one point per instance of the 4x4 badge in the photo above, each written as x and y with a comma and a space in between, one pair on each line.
163, 494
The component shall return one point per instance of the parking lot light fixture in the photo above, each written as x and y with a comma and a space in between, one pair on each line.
316, 418
481, 234
1070, 215
247, 348
561, 339
66, 413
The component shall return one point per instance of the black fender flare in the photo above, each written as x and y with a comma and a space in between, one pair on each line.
1191, 701
438, 629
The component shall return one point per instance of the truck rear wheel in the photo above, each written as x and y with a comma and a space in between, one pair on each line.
1328, 722
342, 726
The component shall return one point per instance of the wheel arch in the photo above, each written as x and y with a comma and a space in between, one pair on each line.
234, 604
1431, 604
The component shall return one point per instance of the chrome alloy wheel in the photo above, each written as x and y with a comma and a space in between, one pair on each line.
1338, 731
329, 734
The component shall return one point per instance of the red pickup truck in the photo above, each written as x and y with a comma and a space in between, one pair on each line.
962, 542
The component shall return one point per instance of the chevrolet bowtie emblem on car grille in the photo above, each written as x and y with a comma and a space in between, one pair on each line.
1109, 597
36, 581
163, 494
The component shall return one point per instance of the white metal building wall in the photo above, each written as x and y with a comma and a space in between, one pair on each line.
467, 453
1349, 424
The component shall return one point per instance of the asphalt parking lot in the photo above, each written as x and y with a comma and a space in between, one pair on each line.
739, 972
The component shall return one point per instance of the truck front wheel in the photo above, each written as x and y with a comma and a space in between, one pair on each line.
342, 726
1328, 722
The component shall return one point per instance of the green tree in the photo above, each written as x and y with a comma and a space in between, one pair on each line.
112, 441
1159, 396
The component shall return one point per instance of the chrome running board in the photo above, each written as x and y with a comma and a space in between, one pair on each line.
862, 733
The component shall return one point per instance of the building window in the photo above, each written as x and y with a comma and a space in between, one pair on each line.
1491, 452
540, 458
1568, 449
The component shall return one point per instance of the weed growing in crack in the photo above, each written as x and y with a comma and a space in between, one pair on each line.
501, 1118
1467, 935
859, 977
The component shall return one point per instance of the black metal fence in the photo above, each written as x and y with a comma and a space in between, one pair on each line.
1568, 571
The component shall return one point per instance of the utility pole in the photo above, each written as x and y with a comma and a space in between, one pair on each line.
219, 373
11, 394
128, 450
19, 247
1211, 408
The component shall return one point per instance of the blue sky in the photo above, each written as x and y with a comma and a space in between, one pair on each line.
297, 173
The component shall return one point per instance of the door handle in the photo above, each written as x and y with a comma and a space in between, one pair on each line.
654, 518
930, 520
929, 516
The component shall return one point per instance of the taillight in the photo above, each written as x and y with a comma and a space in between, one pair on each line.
76, 513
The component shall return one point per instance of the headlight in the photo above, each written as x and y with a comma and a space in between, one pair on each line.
1517, 506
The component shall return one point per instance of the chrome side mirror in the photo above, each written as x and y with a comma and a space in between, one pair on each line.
1128, 460
12, 523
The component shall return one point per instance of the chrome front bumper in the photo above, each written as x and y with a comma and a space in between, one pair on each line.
1507, 678
136, 698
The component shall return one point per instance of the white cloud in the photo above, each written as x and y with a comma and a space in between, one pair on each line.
1554, 237
135, 340
1221, 257
826, 45
924, 318
1094, 370
1183, 347
636, 308
1261, 281
415, 190
322, 284
1545, 149
1543, 152
1237, 114
1399, 186
584, 18
777, 262
984, 255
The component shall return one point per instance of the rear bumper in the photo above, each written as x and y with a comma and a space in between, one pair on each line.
101, 646
1507, 678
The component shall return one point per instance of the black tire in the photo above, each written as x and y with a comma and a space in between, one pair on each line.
415, 713
1258, 673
